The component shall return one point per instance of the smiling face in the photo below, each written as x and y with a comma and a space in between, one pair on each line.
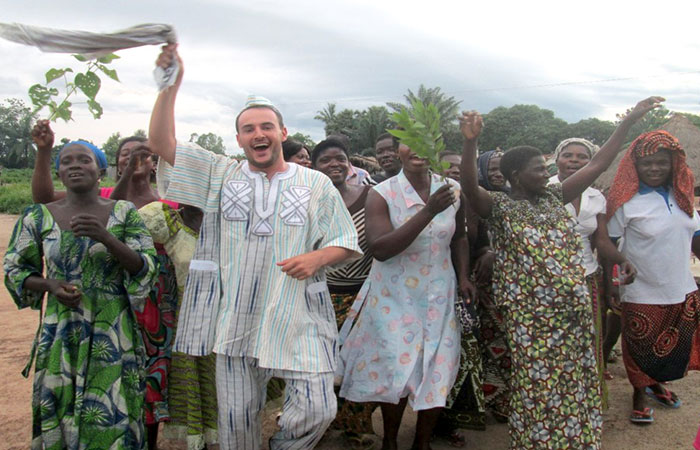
533, 176
387, 156
302, 158
571, 159
77, 169
493, 173
335, 164
655, 170
260, 136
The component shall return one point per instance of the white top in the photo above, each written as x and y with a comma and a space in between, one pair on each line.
592, 204
657, 236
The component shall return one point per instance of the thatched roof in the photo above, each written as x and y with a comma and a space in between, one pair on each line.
686, 133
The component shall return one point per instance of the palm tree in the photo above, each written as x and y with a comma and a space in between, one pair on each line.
327, 115
446, 105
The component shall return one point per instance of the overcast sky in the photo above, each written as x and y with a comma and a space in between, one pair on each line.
580, 59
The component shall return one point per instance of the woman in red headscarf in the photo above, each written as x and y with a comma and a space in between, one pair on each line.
650, 206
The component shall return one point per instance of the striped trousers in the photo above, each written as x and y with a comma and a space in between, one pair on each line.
309, 405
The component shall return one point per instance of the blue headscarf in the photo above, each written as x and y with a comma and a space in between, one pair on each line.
99, 154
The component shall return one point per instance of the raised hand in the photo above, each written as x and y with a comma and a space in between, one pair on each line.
470, 124
42, 135
137, 158
644, 107
65, 292
440, 200
87, 225
166, 57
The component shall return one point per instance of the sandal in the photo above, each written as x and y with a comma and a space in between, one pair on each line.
667, 399
642, 417
607, 375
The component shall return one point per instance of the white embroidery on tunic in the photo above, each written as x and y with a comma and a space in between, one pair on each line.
295, 204
236, 197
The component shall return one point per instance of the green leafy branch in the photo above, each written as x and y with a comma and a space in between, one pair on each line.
88, 82
419, 129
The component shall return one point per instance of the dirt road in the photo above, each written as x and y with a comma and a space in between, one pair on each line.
673, 429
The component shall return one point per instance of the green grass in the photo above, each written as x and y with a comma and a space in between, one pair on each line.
16, 189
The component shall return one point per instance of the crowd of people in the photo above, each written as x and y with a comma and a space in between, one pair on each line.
178, 295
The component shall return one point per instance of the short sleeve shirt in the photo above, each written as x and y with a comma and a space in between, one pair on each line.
657, 236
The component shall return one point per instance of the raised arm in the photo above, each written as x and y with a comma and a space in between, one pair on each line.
161, 131
574, 185
470, 123
42, 181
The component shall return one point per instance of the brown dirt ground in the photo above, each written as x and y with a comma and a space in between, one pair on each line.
673, 429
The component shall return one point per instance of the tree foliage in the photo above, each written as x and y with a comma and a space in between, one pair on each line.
16, 121
302, 138
209, 141
595, 130
522, 125
361, 127
111, 145
653, 120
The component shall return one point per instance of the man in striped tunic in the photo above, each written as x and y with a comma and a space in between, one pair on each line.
280, 226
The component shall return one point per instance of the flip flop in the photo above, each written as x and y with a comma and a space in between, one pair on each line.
607, 375
665, 399
645, 417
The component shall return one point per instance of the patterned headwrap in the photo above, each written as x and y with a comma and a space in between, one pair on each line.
482, 164
99, 154
590, 146
626, 183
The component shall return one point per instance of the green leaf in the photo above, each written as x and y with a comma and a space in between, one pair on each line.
89, 83
95, 108
63, 111
109, 72
108, 58
80, 58
54, 73
39, 95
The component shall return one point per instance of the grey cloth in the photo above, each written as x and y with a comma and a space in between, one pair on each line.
89, 44
94, 45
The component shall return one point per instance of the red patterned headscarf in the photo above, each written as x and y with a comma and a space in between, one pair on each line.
626, 184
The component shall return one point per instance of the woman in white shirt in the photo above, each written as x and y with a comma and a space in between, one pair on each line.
650, 206
589, 212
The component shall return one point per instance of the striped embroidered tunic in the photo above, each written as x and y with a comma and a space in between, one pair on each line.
283, 322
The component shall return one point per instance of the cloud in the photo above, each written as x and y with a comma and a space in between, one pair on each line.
302, 55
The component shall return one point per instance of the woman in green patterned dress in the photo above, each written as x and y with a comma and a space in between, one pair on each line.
100, 265
555, 392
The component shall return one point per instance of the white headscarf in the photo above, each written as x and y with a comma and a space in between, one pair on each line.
592, 148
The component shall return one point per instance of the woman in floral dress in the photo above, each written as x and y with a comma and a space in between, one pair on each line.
539, 278
100, 266
191, 380
405, 343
